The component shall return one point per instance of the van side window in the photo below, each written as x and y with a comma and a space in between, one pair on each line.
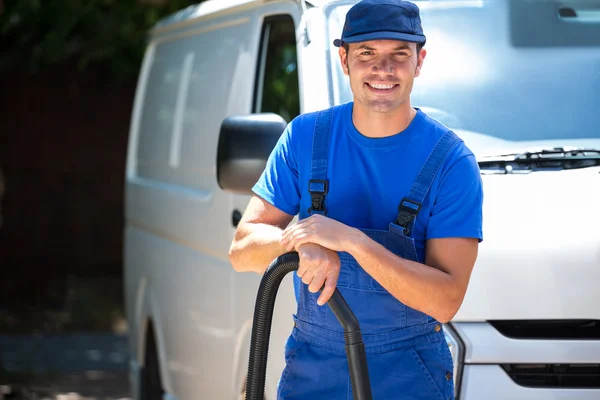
277, 88
190, 85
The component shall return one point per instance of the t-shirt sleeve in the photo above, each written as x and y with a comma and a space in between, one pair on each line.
457, 210
278, 184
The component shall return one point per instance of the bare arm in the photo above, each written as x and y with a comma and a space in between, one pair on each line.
436, 288
256, 242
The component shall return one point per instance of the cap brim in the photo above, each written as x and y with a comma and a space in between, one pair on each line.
405, 37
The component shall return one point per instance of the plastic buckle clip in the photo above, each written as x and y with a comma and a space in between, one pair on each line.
318, 195
407, 211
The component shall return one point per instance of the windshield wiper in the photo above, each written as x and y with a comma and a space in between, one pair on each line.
558, 158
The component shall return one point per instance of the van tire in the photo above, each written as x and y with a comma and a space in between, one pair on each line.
151, 385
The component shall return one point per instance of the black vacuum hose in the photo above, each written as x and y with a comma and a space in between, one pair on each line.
261, 331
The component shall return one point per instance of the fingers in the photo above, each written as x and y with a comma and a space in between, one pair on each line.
300, 239
328, 290
295, 237
300, 231
319, 271
317, 282
308, 261
303, 266
319, 268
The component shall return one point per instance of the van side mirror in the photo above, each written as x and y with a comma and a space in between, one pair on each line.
245, 143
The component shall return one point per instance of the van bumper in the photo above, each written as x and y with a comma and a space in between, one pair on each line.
496, 365
490, 382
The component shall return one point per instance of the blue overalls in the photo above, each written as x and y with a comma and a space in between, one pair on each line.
407, 355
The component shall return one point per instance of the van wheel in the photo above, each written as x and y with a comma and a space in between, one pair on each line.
151, 386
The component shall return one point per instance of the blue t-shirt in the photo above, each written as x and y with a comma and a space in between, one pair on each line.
369, 176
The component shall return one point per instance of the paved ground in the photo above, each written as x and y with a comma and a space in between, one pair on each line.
64, 367
90, 385
63, 338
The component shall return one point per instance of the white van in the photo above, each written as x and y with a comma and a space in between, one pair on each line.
518, 80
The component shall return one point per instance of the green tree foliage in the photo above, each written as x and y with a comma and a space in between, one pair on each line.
281, 75
36, 34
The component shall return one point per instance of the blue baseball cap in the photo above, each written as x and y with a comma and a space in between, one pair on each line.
382, 19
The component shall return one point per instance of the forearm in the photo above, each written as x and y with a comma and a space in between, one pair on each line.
255, 247
419, 286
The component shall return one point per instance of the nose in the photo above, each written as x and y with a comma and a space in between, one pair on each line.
384, 66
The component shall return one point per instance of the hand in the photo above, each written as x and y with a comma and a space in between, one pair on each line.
320, 230
319, 266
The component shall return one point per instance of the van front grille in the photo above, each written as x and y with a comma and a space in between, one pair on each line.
555, 375
586, 329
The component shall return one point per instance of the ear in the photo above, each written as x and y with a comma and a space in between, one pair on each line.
343, 59
420, 59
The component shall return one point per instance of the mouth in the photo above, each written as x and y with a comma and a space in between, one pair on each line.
381, 87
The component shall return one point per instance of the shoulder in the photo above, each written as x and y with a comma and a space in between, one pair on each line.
438, 131
302, 127
306, 121
458, 153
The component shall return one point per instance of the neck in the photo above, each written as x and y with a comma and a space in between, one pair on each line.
382, 124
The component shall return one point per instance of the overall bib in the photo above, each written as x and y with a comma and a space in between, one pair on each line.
407, 355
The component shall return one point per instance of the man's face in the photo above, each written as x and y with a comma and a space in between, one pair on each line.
381, 72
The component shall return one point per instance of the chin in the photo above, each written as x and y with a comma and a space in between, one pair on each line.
384, 106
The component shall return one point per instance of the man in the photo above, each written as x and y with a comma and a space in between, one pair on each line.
390, 212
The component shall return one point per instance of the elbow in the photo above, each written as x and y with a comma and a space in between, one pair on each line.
234, 257
445, 317
450, 301
449, 309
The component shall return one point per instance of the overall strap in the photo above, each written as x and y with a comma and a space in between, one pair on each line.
318, 185
411, 205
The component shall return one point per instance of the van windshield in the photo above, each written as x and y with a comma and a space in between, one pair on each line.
513, 70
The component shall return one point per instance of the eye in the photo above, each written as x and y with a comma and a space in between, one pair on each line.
366, 53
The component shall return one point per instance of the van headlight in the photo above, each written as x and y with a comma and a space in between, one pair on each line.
457, 350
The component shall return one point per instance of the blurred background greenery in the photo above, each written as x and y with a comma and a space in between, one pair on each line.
68, 71
36, 34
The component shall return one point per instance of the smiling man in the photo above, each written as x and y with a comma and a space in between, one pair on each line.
390, 212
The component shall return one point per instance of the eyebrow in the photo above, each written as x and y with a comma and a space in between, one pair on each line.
367, 47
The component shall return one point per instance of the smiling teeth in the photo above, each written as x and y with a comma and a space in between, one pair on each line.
381, 86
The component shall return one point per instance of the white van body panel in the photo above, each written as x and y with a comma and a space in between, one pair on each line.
528, 273
178, 226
